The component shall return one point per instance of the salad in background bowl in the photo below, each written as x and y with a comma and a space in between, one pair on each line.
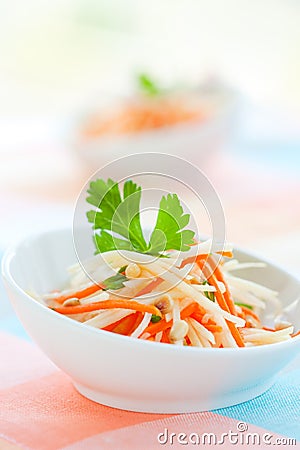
192, 122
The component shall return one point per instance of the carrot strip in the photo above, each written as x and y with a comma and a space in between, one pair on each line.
138, 319
193, 259
108, 304
197, 316
222, 303
113, 325
190, 309
249, 312
296, 334
162, 325
210, 325
227, 294
122, 326
165, 337
155, 328
268, 329
149, 288
213, 328
80, 294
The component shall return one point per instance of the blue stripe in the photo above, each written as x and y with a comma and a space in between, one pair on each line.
277, 410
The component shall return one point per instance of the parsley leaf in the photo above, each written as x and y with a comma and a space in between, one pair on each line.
122, 269
155, 319
116, 214
147, 86
168, 234
117, 220
115, 282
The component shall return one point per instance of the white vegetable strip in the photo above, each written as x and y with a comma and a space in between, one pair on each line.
226, 337
144, 323
95, 298
78, 280
105, 318
246, 297
235, 265
205, 287
173, 277
206, 247
221, 286
158, 336
203, 331
260, 337
176, 312
256, 289
145, 336
192, 335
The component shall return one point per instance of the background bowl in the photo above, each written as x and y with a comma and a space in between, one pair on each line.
196, 140
133, 374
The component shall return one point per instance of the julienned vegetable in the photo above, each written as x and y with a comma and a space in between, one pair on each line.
157, 299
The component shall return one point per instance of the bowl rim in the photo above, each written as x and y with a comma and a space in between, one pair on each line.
12, 250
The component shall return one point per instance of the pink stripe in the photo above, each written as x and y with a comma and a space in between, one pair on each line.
20, 362
47, 414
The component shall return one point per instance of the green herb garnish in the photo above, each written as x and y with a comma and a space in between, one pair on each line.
115, 282
147, 85
155, 319
122, 269
209, 295
244, 304
117, 217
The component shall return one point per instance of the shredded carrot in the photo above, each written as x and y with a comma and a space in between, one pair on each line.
209, 325
115, 324
194, 259
162, 325
188, 342
268, 329
108, 304
249, 312
190, 309
155, 328
227, 294
124, 325
165, 337
80, 294
222, 303
149, 288
138, 319
296, 334
213, 328
197, 316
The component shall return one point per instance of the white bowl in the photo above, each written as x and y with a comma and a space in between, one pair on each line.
132, 374
196, 141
